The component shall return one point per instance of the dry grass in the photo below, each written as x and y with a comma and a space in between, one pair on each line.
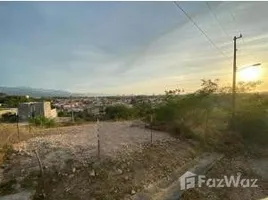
10, 134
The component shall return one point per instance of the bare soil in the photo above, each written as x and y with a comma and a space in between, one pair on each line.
81, 143
128, 161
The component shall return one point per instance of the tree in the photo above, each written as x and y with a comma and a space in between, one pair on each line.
118, 112
14, 101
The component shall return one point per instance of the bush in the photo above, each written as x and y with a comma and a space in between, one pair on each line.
253, 126
9, 117
64, 114
42, 121
143, 110
84, 116
180, 115
120, 112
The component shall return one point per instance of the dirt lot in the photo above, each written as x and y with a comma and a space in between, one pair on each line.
129, 163
81, 143
71, 168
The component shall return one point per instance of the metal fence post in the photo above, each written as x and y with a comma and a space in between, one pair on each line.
151, 127
18, 130
98, 135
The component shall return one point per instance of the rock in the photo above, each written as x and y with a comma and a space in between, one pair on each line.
133, 192
126, 178
92, 173
119, 171
71, 176
74, 169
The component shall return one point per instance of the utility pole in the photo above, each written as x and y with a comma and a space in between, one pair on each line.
98, 136
234, 78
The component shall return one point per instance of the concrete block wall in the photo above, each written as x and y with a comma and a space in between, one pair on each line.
47, 109
24, 111
38, 108
27, 110
53, 113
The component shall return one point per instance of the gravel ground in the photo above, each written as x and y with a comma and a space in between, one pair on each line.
71, 171
113, 136
80, 143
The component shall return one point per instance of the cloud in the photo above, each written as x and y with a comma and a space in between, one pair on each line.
125, 47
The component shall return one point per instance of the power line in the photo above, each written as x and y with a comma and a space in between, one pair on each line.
243, 40
216, 18
234, 21
196, 25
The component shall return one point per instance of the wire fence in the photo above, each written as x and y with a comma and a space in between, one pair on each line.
94, 144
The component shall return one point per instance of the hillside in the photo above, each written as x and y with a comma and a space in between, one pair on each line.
39, 92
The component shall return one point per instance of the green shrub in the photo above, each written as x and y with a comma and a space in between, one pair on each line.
252, 125
120, 112
143, 110
64, 114
42, 121
84, 116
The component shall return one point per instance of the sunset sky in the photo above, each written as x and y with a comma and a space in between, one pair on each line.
128, 47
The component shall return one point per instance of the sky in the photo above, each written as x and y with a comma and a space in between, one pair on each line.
128, 47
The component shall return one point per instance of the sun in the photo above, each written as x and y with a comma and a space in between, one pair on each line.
250, 74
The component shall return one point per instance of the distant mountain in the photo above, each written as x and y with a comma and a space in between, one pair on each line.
33, 92
39, 92
88, 95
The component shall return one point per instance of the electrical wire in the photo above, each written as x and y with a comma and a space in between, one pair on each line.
216, 18
243, 40
198, 27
